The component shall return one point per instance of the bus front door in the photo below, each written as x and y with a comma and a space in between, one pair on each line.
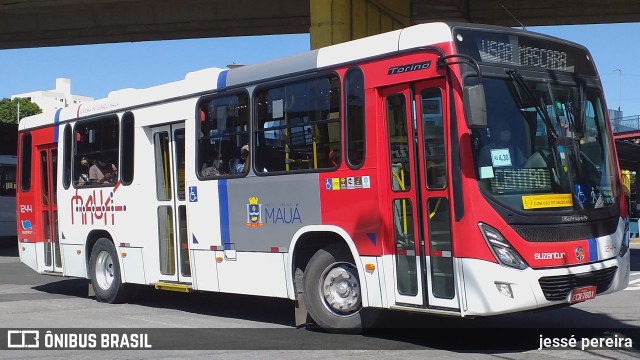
419, 205
48, 163
169, 158
431, 126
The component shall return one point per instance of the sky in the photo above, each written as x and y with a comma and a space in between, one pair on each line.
95, 70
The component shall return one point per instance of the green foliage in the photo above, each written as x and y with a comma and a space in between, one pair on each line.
9, 109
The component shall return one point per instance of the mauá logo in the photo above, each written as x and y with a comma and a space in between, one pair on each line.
254, 213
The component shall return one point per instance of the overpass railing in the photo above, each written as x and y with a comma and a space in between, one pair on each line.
625, 124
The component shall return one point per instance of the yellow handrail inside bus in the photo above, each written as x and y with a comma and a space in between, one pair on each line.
435, 209
400, 180
315, 153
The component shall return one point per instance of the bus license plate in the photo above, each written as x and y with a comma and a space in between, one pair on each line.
582, 294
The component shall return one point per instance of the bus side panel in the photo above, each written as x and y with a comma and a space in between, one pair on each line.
253, 273
73, 258
264, 213
349, 200
28, 255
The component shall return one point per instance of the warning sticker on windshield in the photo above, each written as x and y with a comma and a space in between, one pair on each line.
546, 201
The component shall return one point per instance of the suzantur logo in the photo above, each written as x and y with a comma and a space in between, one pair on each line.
549, 256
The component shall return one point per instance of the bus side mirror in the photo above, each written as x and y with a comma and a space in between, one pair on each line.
475, 106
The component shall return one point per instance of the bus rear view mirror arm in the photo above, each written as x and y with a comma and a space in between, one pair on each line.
475, 106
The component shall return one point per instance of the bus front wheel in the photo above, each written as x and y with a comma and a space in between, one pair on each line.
105, 273
332, 292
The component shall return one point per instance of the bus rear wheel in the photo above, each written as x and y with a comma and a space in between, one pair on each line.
105, 273
332, 292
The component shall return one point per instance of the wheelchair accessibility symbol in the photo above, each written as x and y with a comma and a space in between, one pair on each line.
193, 194
327, 184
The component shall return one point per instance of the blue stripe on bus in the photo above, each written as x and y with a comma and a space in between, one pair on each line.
223, 202
593, 249
56, 121
222, 79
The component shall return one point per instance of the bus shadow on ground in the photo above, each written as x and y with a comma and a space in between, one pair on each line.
266, 310
66, 286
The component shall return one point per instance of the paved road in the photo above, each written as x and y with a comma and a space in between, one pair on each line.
237, 326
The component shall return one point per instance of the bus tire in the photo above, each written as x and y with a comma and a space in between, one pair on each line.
332, 292
106, 279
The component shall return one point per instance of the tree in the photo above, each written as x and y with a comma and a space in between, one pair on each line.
9, 109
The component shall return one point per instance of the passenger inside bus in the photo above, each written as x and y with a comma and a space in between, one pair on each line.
83, 169
212, 166
103, 171
241, 165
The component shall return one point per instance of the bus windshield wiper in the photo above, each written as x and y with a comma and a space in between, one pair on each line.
517, 78
551, 131
573, 121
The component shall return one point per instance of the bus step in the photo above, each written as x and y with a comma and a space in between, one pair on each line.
54, 273
173, 287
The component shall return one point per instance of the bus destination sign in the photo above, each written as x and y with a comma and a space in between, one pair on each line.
516, 49
504, 52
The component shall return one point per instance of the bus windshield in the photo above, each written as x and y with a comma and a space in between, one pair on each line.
545, 146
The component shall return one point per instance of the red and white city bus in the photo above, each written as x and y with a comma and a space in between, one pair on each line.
454, 169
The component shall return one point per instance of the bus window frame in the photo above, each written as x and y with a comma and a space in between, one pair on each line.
324, 74
198, 130
345, 114
118, 148
67, 157
28, 156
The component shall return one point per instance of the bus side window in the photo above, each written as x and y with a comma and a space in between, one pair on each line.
298, 126
224, 126
97, 139
354, 117
25, 163
433, 135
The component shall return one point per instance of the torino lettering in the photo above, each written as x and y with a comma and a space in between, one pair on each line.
407, 68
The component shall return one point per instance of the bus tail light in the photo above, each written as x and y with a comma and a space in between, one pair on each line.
502, 250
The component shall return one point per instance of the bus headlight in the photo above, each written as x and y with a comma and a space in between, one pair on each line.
502, 250
625, 240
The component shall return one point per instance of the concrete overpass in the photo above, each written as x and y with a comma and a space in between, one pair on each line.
37, 23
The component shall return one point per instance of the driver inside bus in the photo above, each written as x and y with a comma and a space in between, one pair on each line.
501, 151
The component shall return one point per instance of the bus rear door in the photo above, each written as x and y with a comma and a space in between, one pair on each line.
48, 165
419, 202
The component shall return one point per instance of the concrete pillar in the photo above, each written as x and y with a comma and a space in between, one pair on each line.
337, 21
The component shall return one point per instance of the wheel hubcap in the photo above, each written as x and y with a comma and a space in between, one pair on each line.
104, 270
341, 289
